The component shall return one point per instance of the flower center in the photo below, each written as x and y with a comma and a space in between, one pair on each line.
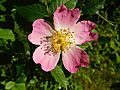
62, 40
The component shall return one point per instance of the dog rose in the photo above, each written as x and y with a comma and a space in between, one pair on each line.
63, 39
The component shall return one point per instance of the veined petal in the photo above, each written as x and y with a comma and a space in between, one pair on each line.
40, 30
48, 61
65, 18
74, 58
87, 25
83, 32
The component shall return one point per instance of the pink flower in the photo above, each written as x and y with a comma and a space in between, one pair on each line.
62, 39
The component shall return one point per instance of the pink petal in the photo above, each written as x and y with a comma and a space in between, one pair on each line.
74, 58
48, 61
83, 32
40, 30
87, 25
64, 18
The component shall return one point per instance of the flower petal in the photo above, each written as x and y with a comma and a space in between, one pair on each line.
40, 30
83, 32
74, 58
65, 18
48, 61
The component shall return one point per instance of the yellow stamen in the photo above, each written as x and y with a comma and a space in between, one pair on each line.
62, 40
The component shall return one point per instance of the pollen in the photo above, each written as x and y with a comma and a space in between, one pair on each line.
62, 40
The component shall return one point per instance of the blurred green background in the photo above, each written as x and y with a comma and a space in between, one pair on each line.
19, 72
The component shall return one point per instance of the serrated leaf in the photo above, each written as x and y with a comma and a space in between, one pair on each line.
59, 76
7, 34
33, 11
9, 85
71, 4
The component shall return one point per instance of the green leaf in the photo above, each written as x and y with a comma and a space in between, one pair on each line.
2, 18
94, 30
21, 86
14, 88
22, 77
118, 58
6, 34
32, 12
55, 4
71, 4
22, 36
9, 85
93, 6
2, 7
112, 45
45, 1
84, 46
59, 76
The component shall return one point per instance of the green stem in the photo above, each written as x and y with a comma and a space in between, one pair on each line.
47, 7
105, 19
66, 88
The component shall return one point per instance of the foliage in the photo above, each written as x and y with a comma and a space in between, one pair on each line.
19, 72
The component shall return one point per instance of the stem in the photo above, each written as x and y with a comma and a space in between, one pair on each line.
105, 19
66, 88
47, 7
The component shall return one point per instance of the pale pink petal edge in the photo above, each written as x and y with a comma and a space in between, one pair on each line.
48, 62
75, 58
